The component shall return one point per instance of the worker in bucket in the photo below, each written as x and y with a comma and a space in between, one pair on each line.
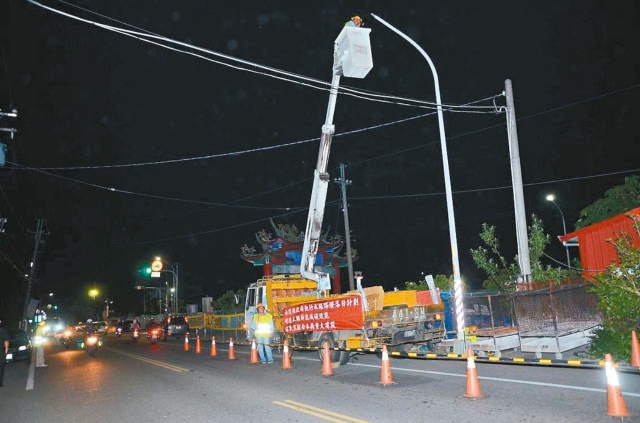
262, 329
355, 21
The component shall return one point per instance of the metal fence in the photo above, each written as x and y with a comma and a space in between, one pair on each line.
558, 310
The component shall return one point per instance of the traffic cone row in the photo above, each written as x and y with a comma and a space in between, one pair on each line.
254, 353
232, 351
385, 368
473, 384
214, 348
615, 402
286, 356
327, 369
635, 350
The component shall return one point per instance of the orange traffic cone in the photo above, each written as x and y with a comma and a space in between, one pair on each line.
635, 350
214, 348
286, 357
385, 369
615, 402
198, 346
186, 342
232, 351
254, 353
473, 384
327, 369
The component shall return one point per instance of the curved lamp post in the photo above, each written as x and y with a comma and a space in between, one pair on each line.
551, 198
457, 280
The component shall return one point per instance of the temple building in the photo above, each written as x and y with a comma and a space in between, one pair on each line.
280, 254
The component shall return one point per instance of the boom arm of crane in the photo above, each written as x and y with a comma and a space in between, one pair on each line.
352, 58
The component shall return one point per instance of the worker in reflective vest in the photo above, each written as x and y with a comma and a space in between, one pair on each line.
262, 328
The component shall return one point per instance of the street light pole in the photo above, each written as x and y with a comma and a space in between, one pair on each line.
551, 198
457, 280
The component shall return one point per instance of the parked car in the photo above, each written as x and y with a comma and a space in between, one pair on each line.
19, 345
175, 325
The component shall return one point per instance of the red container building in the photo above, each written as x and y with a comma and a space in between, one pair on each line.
596, 253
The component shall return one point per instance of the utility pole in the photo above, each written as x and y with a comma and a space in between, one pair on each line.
177, 307
32, 270
516, 178
343, 181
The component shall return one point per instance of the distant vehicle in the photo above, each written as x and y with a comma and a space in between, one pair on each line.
101, 327
125, 325
19, 345
53, 326
175, 325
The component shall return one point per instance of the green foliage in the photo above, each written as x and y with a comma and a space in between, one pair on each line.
618, 297
616, 200
502, 274
226, 303
442, 282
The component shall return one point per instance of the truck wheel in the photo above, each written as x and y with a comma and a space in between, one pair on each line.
328, 337
344, 355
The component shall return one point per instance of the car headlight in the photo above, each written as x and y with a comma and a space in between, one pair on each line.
22, 347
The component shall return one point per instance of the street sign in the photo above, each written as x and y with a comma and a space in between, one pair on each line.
155, 274
156, 266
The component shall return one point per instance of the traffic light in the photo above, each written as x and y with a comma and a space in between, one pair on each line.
139, 287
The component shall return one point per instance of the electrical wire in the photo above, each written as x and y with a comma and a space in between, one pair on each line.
158, 197
287, 75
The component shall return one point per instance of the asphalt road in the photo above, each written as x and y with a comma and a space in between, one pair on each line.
129, 382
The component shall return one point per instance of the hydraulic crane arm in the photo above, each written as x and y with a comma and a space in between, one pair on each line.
351, 58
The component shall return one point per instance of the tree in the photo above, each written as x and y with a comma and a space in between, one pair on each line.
229, 302
616, 200
502, 274
618, 298
442, 282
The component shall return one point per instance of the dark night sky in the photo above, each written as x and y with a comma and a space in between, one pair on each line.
90, 97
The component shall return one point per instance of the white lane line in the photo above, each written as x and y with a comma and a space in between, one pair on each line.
32, 368
524, 382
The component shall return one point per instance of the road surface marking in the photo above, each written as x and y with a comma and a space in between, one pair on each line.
318, 412
524, 382
32, 368
150, 361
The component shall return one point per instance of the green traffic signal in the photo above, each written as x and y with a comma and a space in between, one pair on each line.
148, 270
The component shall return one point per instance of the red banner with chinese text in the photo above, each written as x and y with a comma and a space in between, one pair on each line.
344, 312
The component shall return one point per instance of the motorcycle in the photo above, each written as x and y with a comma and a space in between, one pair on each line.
65, 339
119, 331
154, 335
91, 343
135, 335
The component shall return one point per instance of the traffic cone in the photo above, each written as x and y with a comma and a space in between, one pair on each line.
635, 350
286, 357
615, 402
254, 353
327, 369
385, 369
473, 384
232, 351
186, 342
214, 348
198, 346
